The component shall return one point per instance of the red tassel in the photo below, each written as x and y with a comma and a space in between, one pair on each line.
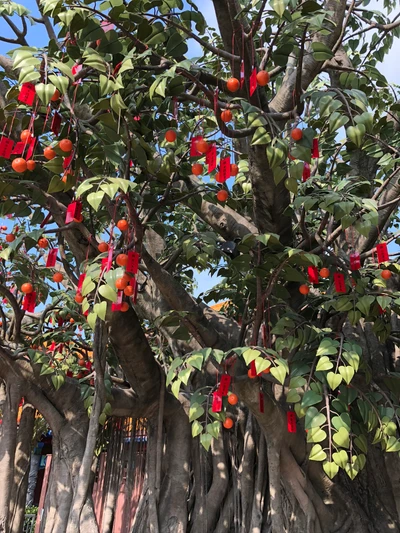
80, 281
118, 304
51, 258
291, 422
338, 280
27, 94
253, 368
56, 123
253, 81
211, 158
242, 74
315, 149
224, 384
313, 275
216, 406
382, 252
355, 261
224, 169
306, 172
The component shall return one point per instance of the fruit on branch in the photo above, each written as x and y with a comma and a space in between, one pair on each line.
65, 145
222, 196
228, 423
56, 96
31, 164
296, 134
19, 165
197, 169
202, 146
102, 247
233, 85
226, 115
234, 169
324, 273
252, 373
58, 277
43, 243
25, 135
10, 237
27, 288
78, 298
122, 260
129, 290
233, 399
49, 153
170, 136
124, 307
262, 78
122, 224
121, 283
304, 289
386, 274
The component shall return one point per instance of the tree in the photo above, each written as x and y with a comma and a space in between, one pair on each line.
278, 412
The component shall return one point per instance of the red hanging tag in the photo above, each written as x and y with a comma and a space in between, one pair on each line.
86, 312
76, 69
381, 311
355, 261
52, 258
74, 210
67, 161
382, 252
46, 220
211, 158
6, 146
306, 172
253, 81
56, 123
338, 280
253, 368
291, 422
224, 384
313, 275
52, 347
224, 169
193, 150
104, 263
29, 302
216, 406
241, 74
109, 258
18, 148
315, 149
261, 401
118, 304
27, 93
216, 93
31, 147
133, 262
80, 281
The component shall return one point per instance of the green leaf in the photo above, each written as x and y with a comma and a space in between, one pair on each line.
206, 439
108, 292
87, 286
279, 6
316, 435
214, 428
101, 310
342, 421
352, 358
330, 469
334, 380
95, 199
327, 347
310, 398
293, 396
321, 52
45, 91
279, 373
317, 453
361, 443
175, 388
336, 121
195, 411
324, 363
340, 458
91, 319
197, 428
393, 445
184, 375
341, 438
314, 418
347, 373
356, 134
262, 364
351, 471
57, 381
196, 361
250, 355
364, 304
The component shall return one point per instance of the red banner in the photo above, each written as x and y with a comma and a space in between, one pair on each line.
27, 93
224, 384
291, 421
52, 258
382, 252
338, 280
313, 275
211, 158
253, 81
133, 262
216, 406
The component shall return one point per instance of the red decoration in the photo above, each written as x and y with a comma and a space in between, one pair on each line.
74, 210
224, 169
313, 274
382, 252
6, 146
29, 302
253, 368
211, 158
216, 406
291, 422
133, 262
381, 311
56, 123
261, 401
118, 304
355, 261
315, 149
18, 148
46, 220
31, 147
109, 258
52, 258
224, 384
338, 280
193, 149
75, 69
306, 172
52, 347
104, 262
60, 322
80, 281
253, 81
241, 74
27, 93
67, 161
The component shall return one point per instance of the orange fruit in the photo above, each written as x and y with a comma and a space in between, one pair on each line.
71, 321
58, 277
170, 136
65, 145
234, 169
31, 164
251, 373
233, 399
25, 135
121, 284
49, 153
19, 165
226, 115
262, 78
304, 289
128, 291
55, 96
103, 247
43, 243
222, 196
10, 237
267, 370
124, 307
78, 298
122, 260
82, 362
202, 146
27, 288
197, 169
296, 134
386, 274
228, 423
122, 224
232, 85
324, 273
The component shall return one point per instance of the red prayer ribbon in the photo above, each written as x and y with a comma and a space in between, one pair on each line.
291, 422
313, 276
